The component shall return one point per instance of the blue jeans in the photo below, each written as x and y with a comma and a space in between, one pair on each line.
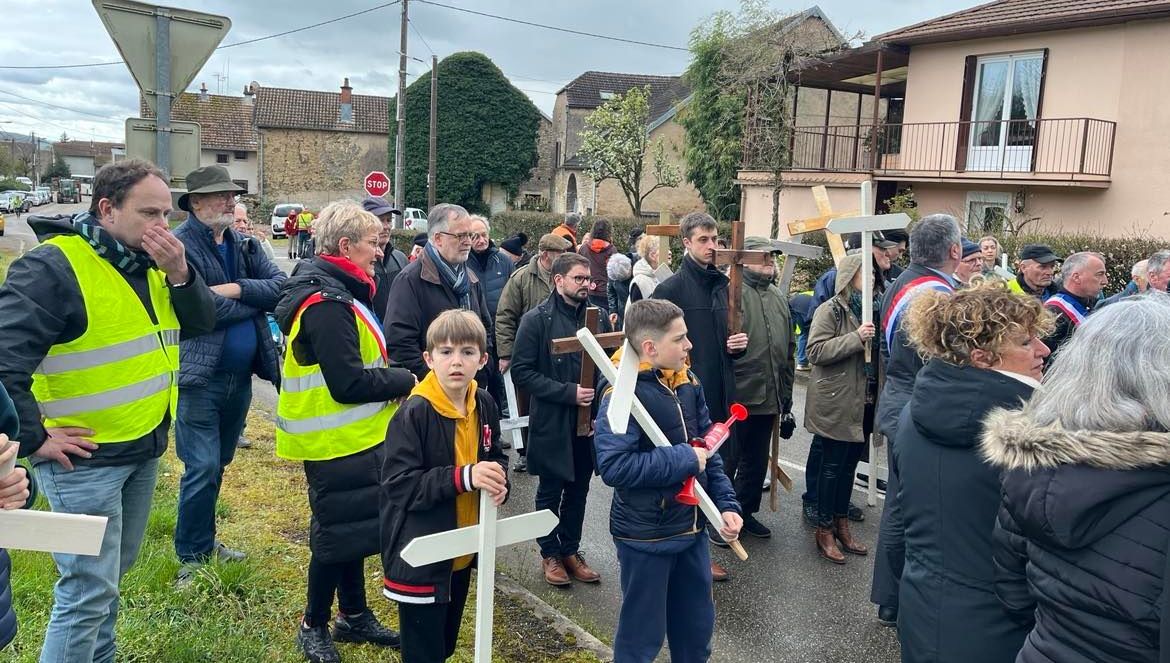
209, 422
85, 598
802, 337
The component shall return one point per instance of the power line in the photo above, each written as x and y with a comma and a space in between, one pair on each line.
238, 43
45, 103
310, 27
419, 35
12, 108
558, 29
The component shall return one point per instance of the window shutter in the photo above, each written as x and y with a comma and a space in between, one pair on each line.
964, 134
1039, 111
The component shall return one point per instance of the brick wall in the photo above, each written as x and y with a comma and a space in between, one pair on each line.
317, 167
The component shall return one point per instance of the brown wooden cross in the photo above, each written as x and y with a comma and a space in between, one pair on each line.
608, 341
801, 226
737, 257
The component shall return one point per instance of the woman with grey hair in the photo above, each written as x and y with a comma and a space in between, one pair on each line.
1082, 533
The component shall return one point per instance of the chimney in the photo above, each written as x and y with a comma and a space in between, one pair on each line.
345, 110
249, 95
203, 92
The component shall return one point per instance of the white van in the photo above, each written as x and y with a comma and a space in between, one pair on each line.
414, 219
279, 214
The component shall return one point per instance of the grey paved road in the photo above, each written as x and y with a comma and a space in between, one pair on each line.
783, 604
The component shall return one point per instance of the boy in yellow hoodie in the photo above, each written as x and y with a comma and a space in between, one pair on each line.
441, 447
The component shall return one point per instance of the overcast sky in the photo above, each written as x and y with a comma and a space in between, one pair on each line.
95, 101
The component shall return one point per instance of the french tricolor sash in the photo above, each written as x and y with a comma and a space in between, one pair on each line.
903, 298
1069, 306
364, 315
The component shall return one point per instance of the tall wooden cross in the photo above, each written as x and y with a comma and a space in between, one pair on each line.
482, 540
561, 346
43, 531
866, 225
735, 256
623, 392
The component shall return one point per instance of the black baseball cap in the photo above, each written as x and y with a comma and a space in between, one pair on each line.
1041, 253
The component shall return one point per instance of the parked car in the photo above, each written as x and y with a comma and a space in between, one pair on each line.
44, 195
25, 181
1, 225
8, 198
279, 214
414, 219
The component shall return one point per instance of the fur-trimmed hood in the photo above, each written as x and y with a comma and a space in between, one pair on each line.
1012, 440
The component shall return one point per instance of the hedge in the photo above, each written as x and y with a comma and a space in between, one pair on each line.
1120, 252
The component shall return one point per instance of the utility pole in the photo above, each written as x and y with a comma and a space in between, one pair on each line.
400, 138
162, 91
36, 171
432, 161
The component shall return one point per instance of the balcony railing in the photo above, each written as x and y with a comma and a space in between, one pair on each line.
1058, 148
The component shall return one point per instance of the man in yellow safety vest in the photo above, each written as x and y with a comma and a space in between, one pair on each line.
90, 323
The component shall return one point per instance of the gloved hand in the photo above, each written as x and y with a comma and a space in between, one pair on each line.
787, 425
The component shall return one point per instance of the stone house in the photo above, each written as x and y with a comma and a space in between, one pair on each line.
227, 135
316, 147
574, 190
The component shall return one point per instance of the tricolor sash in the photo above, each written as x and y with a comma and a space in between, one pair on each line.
1068, 305
903, 298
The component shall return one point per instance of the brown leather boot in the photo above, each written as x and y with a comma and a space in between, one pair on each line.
848, 543
718, 573
827, 546
554, 572
579, 570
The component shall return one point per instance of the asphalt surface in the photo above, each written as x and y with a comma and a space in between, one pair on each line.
784, 603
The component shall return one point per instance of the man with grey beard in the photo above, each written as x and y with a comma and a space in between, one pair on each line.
215, 369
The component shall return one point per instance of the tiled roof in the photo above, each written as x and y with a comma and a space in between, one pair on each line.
225, 122
1006, 17
86, 148
665, 91
282, 108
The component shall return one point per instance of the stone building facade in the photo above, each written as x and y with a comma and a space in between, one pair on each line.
316, 147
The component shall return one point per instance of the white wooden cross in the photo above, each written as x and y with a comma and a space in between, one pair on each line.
624, 380
866, 225
44, 531
482, 540
512, 425
793, 251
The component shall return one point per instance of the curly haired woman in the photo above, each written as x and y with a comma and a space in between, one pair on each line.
984, 351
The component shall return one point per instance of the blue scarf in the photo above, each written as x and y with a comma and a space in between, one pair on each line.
454, 276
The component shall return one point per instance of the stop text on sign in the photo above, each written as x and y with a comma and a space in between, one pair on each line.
376, 183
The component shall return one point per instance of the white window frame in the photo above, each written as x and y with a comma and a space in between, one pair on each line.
986, 198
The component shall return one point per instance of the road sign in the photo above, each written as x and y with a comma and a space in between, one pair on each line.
142, 134
377, 184
193, 36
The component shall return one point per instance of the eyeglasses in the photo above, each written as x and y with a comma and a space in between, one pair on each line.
580, 280
462, 237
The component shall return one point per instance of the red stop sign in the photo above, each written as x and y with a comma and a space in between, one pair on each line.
377, 184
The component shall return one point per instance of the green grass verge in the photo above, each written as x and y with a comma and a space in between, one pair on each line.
247, 612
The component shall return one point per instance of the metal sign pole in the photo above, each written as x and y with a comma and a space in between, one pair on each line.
162, 89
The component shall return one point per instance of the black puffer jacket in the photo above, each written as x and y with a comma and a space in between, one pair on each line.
1083, 538
948, 611
343, 492
10, 426
259, 279
418, 496
494, 270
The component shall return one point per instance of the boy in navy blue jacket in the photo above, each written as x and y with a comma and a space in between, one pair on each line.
661, 545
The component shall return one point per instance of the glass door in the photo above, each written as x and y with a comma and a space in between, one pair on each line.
1003, 117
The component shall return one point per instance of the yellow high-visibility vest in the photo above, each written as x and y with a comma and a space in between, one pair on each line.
120, 377
304, 221
310, 425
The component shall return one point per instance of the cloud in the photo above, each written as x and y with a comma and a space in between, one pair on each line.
365, 48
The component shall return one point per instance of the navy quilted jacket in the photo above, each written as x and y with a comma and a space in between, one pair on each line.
1082, 538
9, 425
260, 282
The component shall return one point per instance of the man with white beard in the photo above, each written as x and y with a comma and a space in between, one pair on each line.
215, 369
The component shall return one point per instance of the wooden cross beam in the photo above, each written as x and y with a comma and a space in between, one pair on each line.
623, 392
562, 346
69, 533
866, 225
825, 208
737, 257
482, 540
